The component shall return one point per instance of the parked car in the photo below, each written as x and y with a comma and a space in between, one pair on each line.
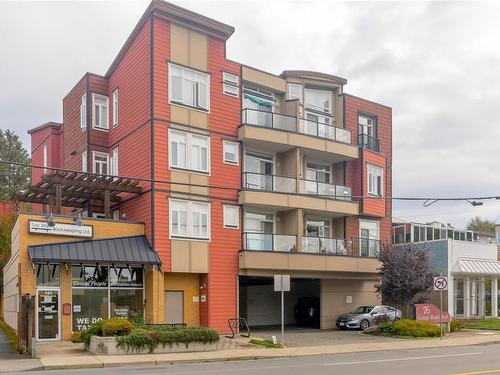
306, 312
363, 317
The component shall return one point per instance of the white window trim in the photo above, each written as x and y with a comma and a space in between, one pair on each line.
362, 221
189, 221
224, 142
224, 206
230, 81
85, 167
321, 110
226, 77
370, 193
189, 144
115, 108
45, 158
227, 92
301, 98
114, 162
83, 113
99, 153
94, 126
174, 102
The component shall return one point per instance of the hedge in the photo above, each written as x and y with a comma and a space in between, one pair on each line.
107, 327
414, 328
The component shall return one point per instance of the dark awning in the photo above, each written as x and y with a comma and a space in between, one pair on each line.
122, 250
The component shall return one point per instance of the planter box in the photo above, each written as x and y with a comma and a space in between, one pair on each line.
108, 346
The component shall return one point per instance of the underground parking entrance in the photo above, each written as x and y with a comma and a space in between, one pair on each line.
260, 305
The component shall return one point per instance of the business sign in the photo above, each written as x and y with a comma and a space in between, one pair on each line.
281, 283
428, 312
59, 229
440, 283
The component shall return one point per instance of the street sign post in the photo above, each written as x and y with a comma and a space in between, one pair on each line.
282, 284
440, 284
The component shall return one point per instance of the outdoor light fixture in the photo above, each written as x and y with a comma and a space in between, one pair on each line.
50, 221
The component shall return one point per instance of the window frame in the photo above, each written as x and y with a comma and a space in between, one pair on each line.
229, 83
301, 97
237, 153
329, 111
377, 175
230, 206
85, 167
114, 169
45, 157
115, 96
196, 105
103, 154
189, 151
190, 210
94, 125
83, 112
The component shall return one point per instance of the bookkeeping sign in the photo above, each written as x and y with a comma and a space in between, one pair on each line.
59, 229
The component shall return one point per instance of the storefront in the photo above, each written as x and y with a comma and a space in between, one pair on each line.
79, 274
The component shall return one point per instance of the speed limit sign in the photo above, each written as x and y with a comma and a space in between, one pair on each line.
440, 283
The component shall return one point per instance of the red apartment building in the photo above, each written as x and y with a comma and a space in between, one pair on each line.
244, 174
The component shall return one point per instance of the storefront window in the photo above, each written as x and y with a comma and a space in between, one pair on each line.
47, 274
102, 292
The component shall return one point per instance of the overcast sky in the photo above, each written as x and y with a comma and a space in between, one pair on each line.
436, 64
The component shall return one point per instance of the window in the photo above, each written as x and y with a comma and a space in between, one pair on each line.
47, 274
189, 219
295, 91
45, 157
319, 100
100, 111
84, 161
230, 84
189, 151
83, 112
375, 178
115, 108
231, 154
101, 162
231, 216
189, 87
116, 214
366, 125
114, 162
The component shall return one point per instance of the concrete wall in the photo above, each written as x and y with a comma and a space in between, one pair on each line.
334, 295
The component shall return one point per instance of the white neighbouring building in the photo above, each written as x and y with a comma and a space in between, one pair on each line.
472, 268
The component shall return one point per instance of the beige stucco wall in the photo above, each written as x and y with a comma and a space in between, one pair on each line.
334, 295
189, 256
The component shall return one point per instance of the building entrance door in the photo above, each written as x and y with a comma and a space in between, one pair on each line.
174, 307
47, 314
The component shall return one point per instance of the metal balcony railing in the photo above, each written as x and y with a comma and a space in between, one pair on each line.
266, 119
365, 247
269, 242
321, 130
368, 142
325, 189
259, 181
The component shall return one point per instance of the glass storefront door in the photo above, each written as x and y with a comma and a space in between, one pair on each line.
47, 307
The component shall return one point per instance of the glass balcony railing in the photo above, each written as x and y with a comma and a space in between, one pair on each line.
271, 120
288, 123
258, 181
368, 142
327, 246
365, 247
318, 129
325, 189
269, 242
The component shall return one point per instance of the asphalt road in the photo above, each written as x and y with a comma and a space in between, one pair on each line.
471, 360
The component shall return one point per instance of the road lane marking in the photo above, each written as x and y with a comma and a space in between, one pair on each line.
478, 372
401, 359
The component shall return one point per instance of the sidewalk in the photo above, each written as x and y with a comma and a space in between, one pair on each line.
89, 361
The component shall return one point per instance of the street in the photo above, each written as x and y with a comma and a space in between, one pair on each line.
469, 360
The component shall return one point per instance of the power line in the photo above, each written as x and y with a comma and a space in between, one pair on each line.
427, 201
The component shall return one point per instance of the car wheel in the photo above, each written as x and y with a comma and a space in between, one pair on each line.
364, 324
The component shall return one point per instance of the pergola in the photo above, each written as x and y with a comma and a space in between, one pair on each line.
79, 190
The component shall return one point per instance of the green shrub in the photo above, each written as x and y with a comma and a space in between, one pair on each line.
385, 327
116, 327
76, 337
415, 328
456, 325
151, 337
95, 329
138, 320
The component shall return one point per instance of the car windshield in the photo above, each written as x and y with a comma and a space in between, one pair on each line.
362, 310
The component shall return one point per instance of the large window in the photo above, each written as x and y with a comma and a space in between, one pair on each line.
189, 151
189, 219
189, 87
375, 180
47, 274
319, 100
101, 162
101, 292
100, 112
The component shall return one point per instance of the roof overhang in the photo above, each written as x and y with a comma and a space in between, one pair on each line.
476, 266
109, 251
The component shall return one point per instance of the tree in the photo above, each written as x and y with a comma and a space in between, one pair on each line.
7, 220
405, 272
13, 179
481, 225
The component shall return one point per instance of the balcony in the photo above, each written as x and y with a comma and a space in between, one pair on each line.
325, 190
259, 181
281, 132
368, 142
269, 242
